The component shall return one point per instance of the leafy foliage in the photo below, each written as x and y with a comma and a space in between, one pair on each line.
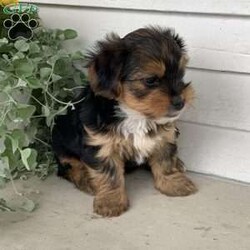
38, 80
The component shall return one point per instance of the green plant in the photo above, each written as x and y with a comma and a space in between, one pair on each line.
38, 80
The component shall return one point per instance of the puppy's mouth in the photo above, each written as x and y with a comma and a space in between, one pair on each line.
173, 115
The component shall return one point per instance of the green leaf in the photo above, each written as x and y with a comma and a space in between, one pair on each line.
18, 55
34, 48
14, 143
58, 33
45, 111
45, 73
3, 41
4, 167
21, 45
77, 78
21, 83
56, 78
20, 93
7, 48
3, 64
62, 53
31, 132
23, 67
77, 55
2, 183
34, 83
3, 75
18, 139
2, 131
70, 34
5, 56
4, 206
53, 59
2, 145
33, 159
25, 111
28, 205
63, 67
28, 157
49, 51
36, 59
4, 99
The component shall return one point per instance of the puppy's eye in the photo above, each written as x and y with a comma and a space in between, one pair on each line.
151, 81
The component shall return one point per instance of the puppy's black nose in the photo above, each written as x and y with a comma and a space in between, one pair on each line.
177, 102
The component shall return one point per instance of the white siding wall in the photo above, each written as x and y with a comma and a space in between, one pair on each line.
215, 136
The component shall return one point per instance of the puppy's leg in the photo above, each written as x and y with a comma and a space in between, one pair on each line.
111, 198
77, 172
106, 182
168, 172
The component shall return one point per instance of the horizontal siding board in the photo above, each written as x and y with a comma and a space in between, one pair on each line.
219, 60
215, 43
223, 7
221, 99
215, 151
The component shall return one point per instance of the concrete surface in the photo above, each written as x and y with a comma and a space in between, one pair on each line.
217, 217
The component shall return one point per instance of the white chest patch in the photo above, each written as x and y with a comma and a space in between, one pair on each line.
136, 127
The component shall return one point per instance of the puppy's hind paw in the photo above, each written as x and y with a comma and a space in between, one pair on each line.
176, 184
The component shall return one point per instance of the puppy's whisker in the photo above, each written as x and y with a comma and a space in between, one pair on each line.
191, 106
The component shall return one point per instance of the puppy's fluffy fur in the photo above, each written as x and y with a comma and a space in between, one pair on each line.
134, 96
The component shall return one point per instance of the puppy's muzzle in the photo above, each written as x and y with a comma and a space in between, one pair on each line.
177, 103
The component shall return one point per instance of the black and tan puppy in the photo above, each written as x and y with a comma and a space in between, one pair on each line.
134, 96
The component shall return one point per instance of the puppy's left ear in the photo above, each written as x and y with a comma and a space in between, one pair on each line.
105, 66
180, 42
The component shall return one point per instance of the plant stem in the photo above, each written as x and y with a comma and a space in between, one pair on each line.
55, 99
34, 98
13, 185
77, 87
43, 142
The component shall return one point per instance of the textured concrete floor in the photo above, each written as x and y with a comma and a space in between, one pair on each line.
217, 217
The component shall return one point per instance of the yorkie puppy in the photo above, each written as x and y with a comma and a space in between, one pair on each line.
134, 96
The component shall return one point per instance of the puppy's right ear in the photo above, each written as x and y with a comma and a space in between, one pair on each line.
105, 66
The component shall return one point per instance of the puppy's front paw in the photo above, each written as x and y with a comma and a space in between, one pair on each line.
176, 184
111, 204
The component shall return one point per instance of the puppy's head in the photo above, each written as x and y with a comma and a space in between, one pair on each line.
143, 71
